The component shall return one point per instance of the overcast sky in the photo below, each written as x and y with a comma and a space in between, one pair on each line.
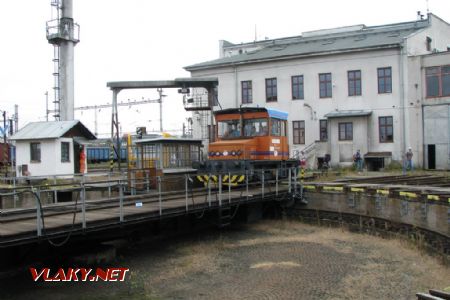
154, 40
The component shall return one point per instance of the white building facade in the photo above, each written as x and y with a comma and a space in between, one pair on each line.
345, 89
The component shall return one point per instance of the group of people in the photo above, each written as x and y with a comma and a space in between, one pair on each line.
407, 164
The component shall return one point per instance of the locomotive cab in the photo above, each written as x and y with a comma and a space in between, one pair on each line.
248, 138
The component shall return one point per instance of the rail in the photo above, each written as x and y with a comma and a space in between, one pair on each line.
35, 212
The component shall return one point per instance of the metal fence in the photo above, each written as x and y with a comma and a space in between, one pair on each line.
80, 202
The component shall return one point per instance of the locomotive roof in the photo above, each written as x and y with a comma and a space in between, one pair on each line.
273, 113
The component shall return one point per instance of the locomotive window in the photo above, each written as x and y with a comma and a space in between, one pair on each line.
255, 127
229, 129
278, 127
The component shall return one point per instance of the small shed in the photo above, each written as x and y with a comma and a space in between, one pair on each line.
167, 154
51, 148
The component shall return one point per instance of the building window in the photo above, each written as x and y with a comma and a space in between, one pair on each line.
298, 132
325, 85
346, 131
35, 152
384, 80
354, 83
271, 89
247, 93
297, 87
386, 127
65, 152
323, 130
438, 81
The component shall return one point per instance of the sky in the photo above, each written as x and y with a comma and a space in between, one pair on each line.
123, 40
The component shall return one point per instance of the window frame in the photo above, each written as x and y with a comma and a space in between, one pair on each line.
246, 92
348, 134
385, 127
353, 83
441, 73
325, 85
271, 89
323, 129
298, 127
387, 80
35, 152
63, 158
297, 87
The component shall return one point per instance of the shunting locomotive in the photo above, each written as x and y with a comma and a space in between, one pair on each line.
247, 139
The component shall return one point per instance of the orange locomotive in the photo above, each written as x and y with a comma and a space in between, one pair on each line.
249, 138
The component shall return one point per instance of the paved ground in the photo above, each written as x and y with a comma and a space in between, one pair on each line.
268, 260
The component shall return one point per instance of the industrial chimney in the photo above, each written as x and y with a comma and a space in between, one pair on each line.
63, 34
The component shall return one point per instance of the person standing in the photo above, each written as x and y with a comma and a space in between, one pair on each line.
358, 160
409, 162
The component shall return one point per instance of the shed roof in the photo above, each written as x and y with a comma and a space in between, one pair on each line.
322, 42
51, 130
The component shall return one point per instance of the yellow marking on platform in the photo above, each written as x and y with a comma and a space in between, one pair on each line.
408, 194
354, 189
309, 187
333, 188
433, 197
241, 178
383, 192
225, 178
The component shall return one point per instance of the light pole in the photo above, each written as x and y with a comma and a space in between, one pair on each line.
160, 91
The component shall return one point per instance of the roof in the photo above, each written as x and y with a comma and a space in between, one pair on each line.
322, 42
51, 130
273, 113
348, 113
377, 154
178, 82
168, 140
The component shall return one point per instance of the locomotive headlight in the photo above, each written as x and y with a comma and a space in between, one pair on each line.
217, 153
225, 153
233, 153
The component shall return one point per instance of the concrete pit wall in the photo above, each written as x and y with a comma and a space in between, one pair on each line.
424, 211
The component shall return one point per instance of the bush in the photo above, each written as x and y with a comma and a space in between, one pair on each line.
394, 165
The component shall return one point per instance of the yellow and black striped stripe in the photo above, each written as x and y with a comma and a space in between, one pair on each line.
226, 179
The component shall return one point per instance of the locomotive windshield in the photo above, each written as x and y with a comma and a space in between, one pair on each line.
229, 129
278, 127
255, 127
